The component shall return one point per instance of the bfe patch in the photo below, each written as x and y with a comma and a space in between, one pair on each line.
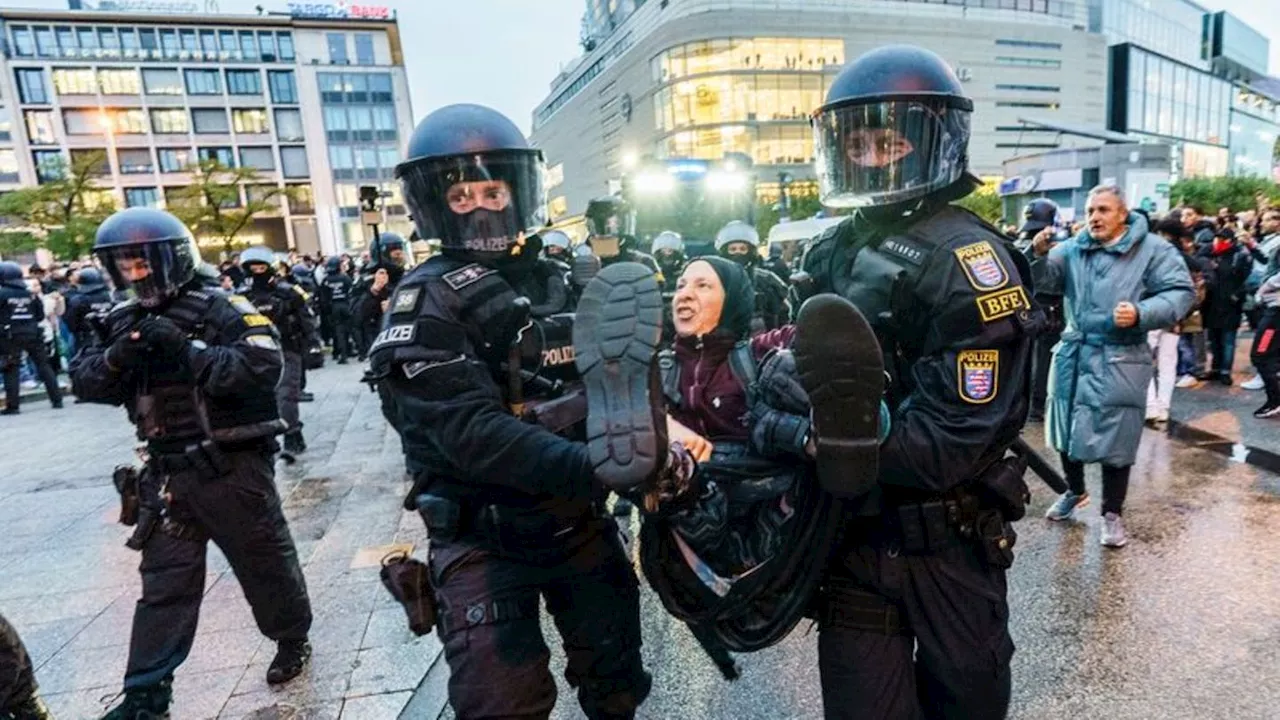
1002, 304
977, 375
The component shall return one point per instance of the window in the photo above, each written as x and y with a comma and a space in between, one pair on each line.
250, 120
24, 45
1030, 44
74, 81
210, 121
357, 88
293, 162
132, 121
283, 88
169, 44
249, 45
147, 39
364, 49
129, 41
367, 163
1023, 104
302, 200
94, 160
109, 41
266, 196
335, 124
380, 88
1028, 62
267, 44
244, 82
169, 121
6, 124
190, 45
1029, 88
161, 81
285, 41
40, 127
177, 196
289, 125
258, 158
31, 87
49, 164
227, 41
361, 119
203, 82
134, 161
45, 45
384, 123
331, 88
88, 40
388, 158
341, 158
174, 160
119, 82
142, 197
209, 43
222, 155
9, 166
66, 41
337, 48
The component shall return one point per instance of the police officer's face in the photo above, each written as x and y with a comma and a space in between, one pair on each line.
396, 256
667, 257
465, 197
699, 300
259, 268
739, 249
133, 270
876, 147
1107, 215
555, 251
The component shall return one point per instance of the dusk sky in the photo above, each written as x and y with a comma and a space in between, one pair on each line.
504, 53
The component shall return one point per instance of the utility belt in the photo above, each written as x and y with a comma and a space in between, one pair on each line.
966, 516
533, 535
206, 457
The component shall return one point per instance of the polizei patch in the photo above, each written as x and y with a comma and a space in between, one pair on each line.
394, 335
978, 373
464, 276
982, 266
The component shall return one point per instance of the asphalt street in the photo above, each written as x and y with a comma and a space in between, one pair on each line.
1183, 623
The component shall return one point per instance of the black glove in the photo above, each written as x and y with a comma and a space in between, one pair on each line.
127, 351
166, 337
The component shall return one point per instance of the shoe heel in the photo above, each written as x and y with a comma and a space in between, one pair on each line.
616, 333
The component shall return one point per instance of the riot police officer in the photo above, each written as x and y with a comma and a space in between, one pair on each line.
335, 302
546, 282
391, 256
20, 315
87, 308
513, 510
740, 242
914, 616
556, 245
285, 305
1038, 215
196, 370
668, 251
611, 228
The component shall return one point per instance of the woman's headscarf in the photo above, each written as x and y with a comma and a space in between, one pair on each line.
739, 295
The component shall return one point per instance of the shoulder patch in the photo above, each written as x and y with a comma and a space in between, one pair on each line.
977, 375
305, 295
394, 335
263, 341
255, 320
406, 300
904, 249
1002, 304
242, 305
467, 275
982, 266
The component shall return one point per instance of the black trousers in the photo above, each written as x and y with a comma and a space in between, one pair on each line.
17, 679
340, 327
491, 630
240, 511
1265, 353
940, 647
1115, 483
10, 362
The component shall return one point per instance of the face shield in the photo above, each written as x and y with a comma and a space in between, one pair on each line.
882, 153
484, 205
153, 271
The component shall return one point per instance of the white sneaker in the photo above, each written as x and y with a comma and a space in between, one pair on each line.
1253, 383
1187, 381
1113, 534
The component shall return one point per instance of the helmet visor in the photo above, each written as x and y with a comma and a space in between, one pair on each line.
615, 221
888, 152
152, 271
478, 203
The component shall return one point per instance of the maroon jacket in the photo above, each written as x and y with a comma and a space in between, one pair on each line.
713, 402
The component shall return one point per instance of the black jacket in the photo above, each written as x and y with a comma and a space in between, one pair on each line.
335, 295
84, 309
20, 313
1225, 276
287, 306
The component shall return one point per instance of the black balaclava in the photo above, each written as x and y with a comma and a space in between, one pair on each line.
739, 295
262, 281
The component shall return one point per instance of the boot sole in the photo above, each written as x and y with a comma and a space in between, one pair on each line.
616, 335
840, 365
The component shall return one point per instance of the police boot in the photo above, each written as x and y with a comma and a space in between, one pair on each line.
616, 333
31, 709
293, 442
145, 703
305, 396
842, 369
291, 658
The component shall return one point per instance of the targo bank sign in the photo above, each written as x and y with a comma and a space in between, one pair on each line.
339, 11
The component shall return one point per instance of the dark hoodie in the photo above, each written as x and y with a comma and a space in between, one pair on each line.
713, 401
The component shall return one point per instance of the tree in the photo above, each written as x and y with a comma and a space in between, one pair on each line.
62, 214
1235, 192
985, 203
211, 205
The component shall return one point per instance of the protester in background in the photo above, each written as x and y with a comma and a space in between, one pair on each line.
1266, 345
1266, 259
1229, 266
1164, 341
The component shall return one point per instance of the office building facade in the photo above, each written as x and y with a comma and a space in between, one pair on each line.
318, 105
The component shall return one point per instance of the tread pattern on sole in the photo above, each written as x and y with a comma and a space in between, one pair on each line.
840, 365
616, 335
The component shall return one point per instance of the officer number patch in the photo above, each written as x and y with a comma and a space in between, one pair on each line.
255, 320
982, 266
394, 335
405, 301
465, 276
996, 305
977, 374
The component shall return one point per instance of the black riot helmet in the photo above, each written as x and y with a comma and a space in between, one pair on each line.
11, 275
91, 278
472, 181
148, 251
894, 128
333, 265
1038, 215
611, 225
391, 242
